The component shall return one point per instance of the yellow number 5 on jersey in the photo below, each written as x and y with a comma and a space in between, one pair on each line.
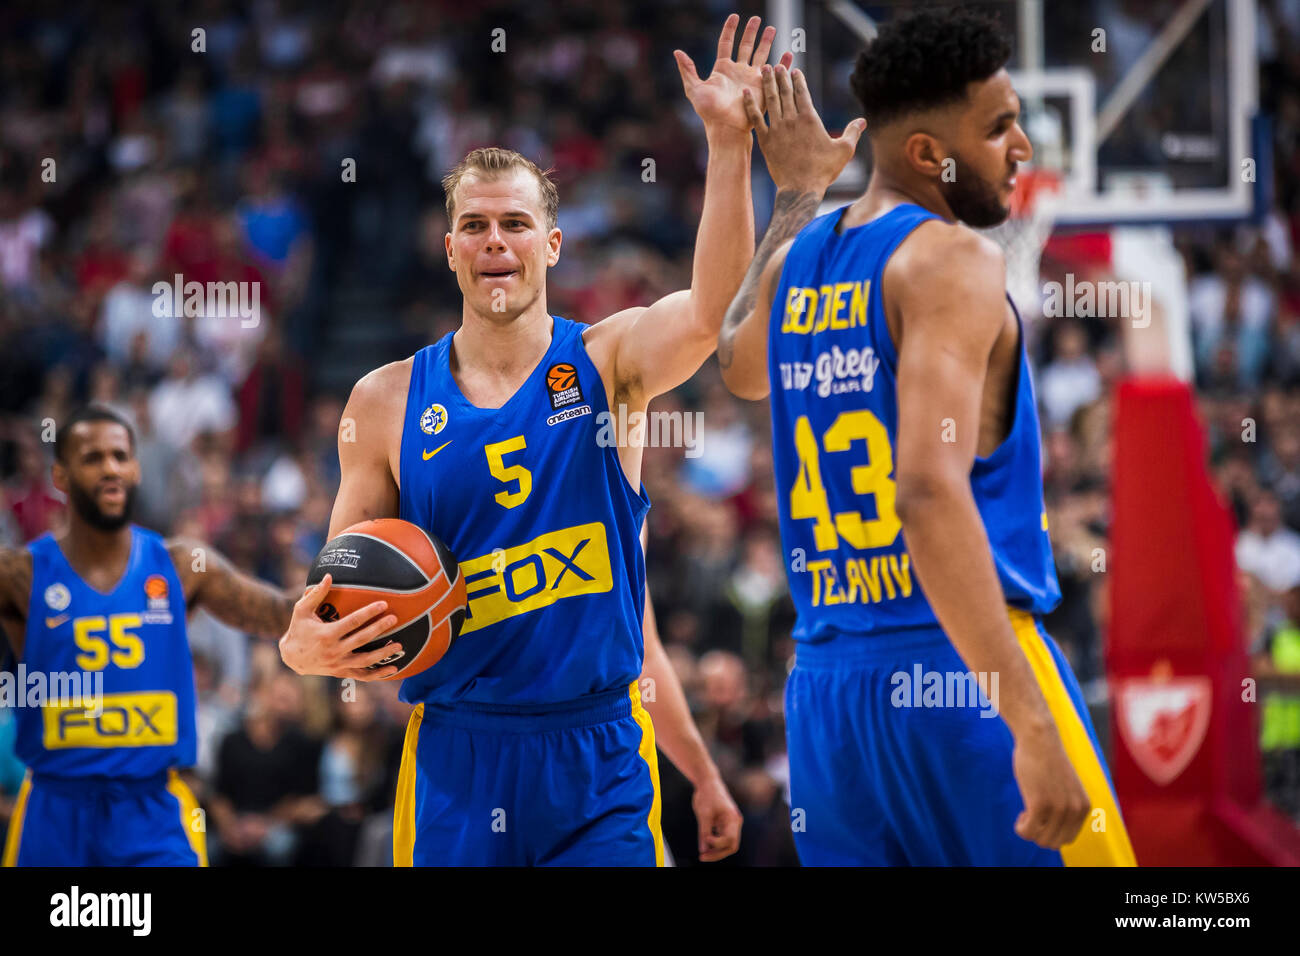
808, 497
496, 453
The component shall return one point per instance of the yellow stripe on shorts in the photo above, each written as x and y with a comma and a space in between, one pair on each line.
1103, 841
404, 804
16, 823
648, 754
198, 838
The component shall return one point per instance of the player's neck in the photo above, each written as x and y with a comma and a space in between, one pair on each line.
502, 349
86, 546
885, 192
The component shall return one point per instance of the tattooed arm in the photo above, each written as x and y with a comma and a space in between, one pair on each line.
232, 597
742, 343
15, 591
803, 160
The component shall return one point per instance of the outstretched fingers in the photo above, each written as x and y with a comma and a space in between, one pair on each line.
764, 47
747, 40
727, 39
785, 91
686, 67
852, 133
802, 98
771, 99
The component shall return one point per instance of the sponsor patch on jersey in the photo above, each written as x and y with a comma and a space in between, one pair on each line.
836, 371
159, 610
434, 419
57, 596
563, 386
569, 414
144, 719
557, 565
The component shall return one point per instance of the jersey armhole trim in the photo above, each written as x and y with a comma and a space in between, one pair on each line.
886, 339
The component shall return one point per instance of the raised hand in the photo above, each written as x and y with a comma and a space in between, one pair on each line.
717, 100
800, 154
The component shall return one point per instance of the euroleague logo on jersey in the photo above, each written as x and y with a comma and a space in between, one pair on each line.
562, 385
159, 605
565, 391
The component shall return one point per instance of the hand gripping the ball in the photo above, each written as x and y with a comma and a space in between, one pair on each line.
313, 646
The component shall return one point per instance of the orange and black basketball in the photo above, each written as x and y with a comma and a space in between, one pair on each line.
395, 561
561, 376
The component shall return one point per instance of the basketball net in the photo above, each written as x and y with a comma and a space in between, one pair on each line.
1025, 233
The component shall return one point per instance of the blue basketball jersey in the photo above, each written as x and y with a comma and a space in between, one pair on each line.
134, 641
532, 500
833, 372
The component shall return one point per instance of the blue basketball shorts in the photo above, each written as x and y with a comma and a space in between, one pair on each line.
574, 785
894, 761
105, 821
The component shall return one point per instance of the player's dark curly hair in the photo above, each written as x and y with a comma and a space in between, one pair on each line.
94, 412
924, 60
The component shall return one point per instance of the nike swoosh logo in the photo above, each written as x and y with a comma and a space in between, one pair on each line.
55, 621
430, 454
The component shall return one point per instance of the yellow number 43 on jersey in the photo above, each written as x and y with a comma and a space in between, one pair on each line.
808, 498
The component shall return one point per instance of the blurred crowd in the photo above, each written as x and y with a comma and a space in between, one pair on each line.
133, 149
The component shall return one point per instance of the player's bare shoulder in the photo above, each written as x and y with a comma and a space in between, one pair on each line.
945, 271
948, 251
601, 338
602, 341
383, 390
372, 419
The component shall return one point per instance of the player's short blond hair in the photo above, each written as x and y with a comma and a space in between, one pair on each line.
491, 162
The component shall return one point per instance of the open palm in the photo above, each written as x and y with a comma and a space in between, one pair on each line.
718, 100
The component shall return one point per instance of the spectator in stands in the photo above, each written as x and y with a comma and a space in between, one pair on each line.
189, 402
1070, 380
267, 778
1268, 549
1277, 665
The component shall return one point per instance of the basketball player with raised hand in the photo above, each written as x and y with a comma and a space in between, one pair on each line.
106, 601
529, 743
907, 458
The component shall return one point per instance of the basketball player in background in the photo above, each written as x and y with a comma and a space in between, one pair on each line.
906, 440
529, 743
106, 601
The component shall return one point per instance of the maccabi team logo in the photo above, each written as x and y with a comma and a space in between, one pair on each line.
1163, 721
57, 596
434, 419
159, 609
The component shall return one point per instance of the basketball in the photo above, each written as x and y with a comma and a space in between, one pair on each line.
391, 560
561, 376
